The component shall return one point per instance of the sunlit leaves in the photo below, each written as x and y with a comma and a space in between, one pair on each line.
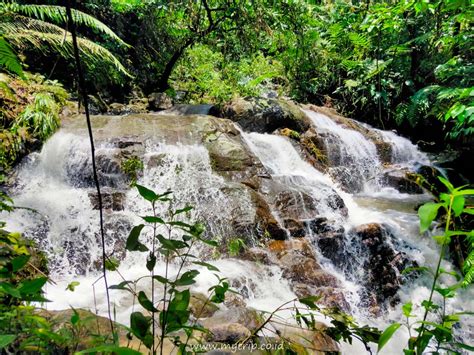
427, 214
387, 335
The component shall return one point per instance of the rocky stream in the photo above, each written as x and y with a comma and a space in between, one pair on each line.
326, 205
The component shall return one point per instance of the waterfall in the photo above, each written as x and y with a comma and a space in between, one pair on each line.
56, 183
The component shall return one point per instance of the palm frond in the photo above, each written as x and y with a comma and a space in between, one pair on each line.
57, 15
62, 44
8, 58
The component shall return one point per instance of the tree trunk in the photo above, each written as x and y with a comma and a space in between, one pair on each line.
163, 84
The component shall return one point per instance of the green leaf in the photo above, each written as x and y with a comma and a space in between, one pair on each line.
183, 210
161, 279
407, 308
153, 219
427, 214
310, 301
458, 205
386, 335
145, 302
111, 264
208, 266
9, 289
75, 317
121, 286
19, 262
187, 278
132, 243
147, 194
172, 244
110, 349
6, 339
151, 261
139, 324
446, 183
72, 286
9, 60
30, 287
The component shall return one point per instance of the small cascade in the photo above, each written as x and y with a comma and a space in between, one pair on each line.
403, 151
352, 158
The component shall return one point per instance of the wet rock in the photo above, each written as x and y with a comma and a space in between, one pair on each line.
266, 115
295, 205
299, 266
109, 168
401, 180
229, 333
233, 300
382, 262
315, 149
241, 315
159, 101
296, 228
111, 200
311, 341
330, 296
300, 246
266, 224
257, 255
96, 105
201, 307
118, 109
227, 154
185, 109
138, 105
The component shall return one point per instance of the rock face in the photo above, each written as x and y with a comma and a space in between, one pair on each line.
400, 179
370, 247
265, 115
297, 260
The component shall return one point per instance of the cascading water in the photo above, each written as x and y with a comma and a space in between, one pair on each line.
56, 183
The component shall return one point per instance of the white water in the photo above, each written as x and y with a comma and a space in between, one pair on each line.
66, 226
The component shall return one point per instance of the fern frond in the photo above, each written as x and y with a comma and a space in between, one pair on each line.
8, 59
57, 15
62, 44
359, 40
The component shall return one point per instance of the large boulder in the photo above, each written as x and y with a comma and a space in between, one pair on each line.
159, 101
297, 260
266, 115
402, 180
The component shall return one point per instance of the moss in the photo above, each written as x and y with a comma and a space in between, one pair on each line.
29, 111
316, 152
131, 168
290, 133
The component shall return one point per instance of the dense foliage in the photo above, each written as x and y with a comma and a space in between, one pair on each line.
403, 63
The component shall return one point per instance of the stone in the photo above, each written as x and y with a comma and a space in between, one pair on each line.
201, 307
311, 341
159, 101
227, 154
266, 224
249, 317
257, 255
296, 228
229, 333
400, 180
382, 261
118, 109
265, 115
295, 205
111, 200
